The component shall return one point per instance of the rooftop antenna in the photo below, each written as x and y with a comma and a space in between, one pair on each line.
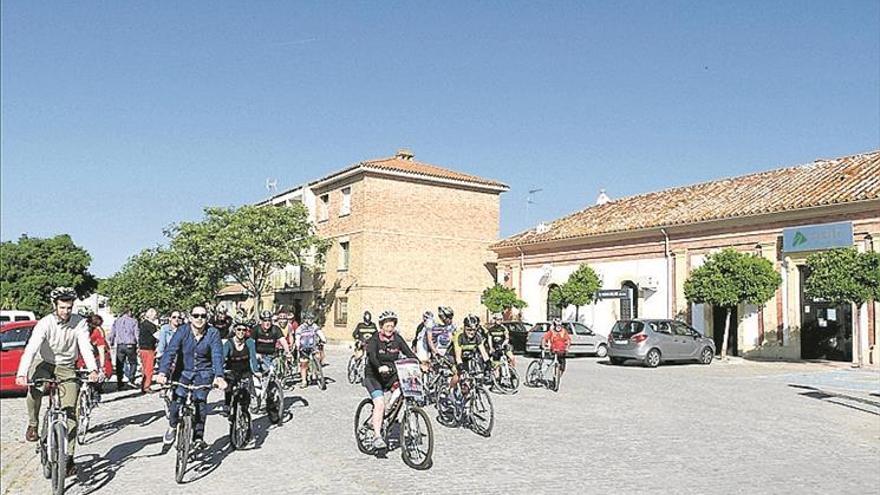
530, 200
272, 186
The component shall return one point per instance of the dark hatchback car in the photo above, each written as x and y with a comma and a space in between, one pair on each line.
519, 331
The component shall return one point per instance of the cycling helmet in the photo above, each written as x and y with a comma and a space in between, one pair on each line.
84, 311
445, 312
387, 315
368, 317
266, 315
221, 309
428, 315
308, 316
62, 294
557, 322
241, 322
471, 322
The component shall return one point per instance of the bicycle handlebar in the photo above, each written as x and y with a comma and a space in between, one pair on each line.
190, 387
55, 381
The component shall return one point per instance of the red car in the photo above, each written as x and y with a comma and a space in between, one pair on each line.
13, 337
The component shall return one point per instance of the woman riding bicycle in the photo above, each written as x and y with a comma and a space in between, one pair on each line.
383, 349
240, 359
558, 341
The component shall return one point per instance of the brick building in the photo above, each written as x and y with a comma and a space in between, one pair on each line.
645, 246
406, 235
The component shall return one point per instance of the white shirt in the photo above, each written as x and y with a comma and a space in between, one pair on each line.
59, 343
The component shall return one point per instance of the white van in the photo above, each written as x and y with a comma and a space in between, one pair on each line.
10, 315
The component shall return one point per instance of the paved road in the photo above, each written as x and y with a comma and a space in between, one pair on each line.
726, 428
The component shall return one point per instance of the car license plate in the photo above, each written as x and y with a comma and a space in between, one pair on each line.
621, 342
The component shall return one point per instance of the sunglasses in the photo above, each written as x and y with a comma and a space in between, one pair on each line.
200, 315
175, 317
241, 329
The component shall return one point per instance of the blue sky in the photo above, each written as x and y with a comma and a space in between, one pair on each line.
120, 118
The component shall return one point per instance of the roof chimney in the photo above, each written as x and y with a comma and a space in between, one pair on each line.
404, 154
602, 198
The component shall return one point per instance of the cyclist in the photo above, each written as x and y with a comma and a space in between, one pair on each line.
201, 357
309, 339
362, 333
59, 338
499, 342
240, 359
383, 349
222, 322
420, 342
558, 341
440, 336
466, 346
266, 337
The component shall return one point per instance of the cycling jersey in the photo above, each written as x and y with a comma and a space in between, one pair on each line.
468, 345
441, 335
265, 339
558, 341
384, 352
497, 334
309, 336
363, 331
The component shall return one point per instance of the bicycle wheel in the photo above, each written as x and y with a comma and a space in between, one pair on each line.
43, 447
275, 403
556, 377
82, 420
353, 370
363, 427
513, 379
59, 467
184, 441
482, 412
533, 374
445, 406
239, 426
319, 373
417, 439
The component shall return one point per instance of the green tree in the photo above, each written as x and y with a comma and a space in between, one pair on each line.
31, 267
152, 278
246, 244
730, 278
845, 276
579, 289
499, 298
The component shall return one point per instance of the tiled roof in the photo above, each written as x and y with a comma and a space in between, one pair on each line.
409, 166
821, 183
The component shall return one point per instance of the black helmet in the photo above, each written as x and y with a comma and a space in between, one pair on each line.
387, 315
308, 315
368, 317
445, 312
471, 322
427, 315
266, 315
62, 294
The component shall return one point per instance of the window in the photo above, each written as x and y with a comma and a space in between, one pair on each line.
627, 328
324, 208
15, 339
679, 328
345, 209
582, 329
340, 315
553, 311
343, 255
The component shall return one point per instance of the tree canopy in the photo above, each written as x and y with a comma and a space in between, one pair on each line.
31, 267
844, 276
579, 289
499, 298
729, 278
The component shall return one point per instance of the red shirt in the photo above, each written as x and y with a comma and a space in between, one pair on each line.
559, 341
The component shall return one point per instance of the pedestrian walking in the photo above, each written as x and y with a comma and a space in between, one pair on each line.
147, 340
124, 336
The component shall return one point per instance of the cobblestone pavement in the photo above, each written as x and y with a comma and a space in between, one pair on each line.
726, 428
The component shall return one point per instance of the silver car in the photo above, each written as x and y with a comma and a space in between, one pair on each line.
656, 341
583, 339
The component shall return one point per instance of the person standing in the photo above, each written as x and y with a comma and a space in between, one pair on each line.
167, 331
147, 347
124, 335
59, 338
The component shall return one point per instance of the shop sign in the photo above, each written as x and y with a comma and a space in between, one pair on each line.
817, 237
612, 294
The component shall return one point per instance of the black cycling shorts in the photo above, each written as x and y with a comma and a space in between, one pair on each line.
560, 357
376, 387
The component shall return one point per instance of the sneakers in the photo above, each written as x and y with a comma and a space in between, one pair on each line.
71, 467
170, 433
31, 434
199, 444
379, 444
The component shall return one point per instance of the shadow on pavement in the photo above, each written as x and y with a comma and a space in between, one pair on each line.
262, 425
106, 430
858, 403
96, 472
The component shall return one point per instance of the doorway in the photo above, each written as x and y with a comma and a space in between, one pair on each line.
826, 328
719, 313
629, 305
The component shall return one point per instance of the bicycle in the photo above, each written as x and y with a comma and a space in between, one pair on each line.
86, 402
269, 395
438, 376
507, 379
240, 426
544, 372
469, 405
284, 369
52, 446
356, 365
416, 436
315, 370
185, 428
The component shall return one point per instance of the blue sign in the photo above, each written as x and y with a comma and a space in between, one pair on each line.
817, 237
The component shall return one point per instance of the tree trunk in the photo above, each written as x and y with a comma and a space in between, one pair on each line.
577, 314
726, 334
857, 338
